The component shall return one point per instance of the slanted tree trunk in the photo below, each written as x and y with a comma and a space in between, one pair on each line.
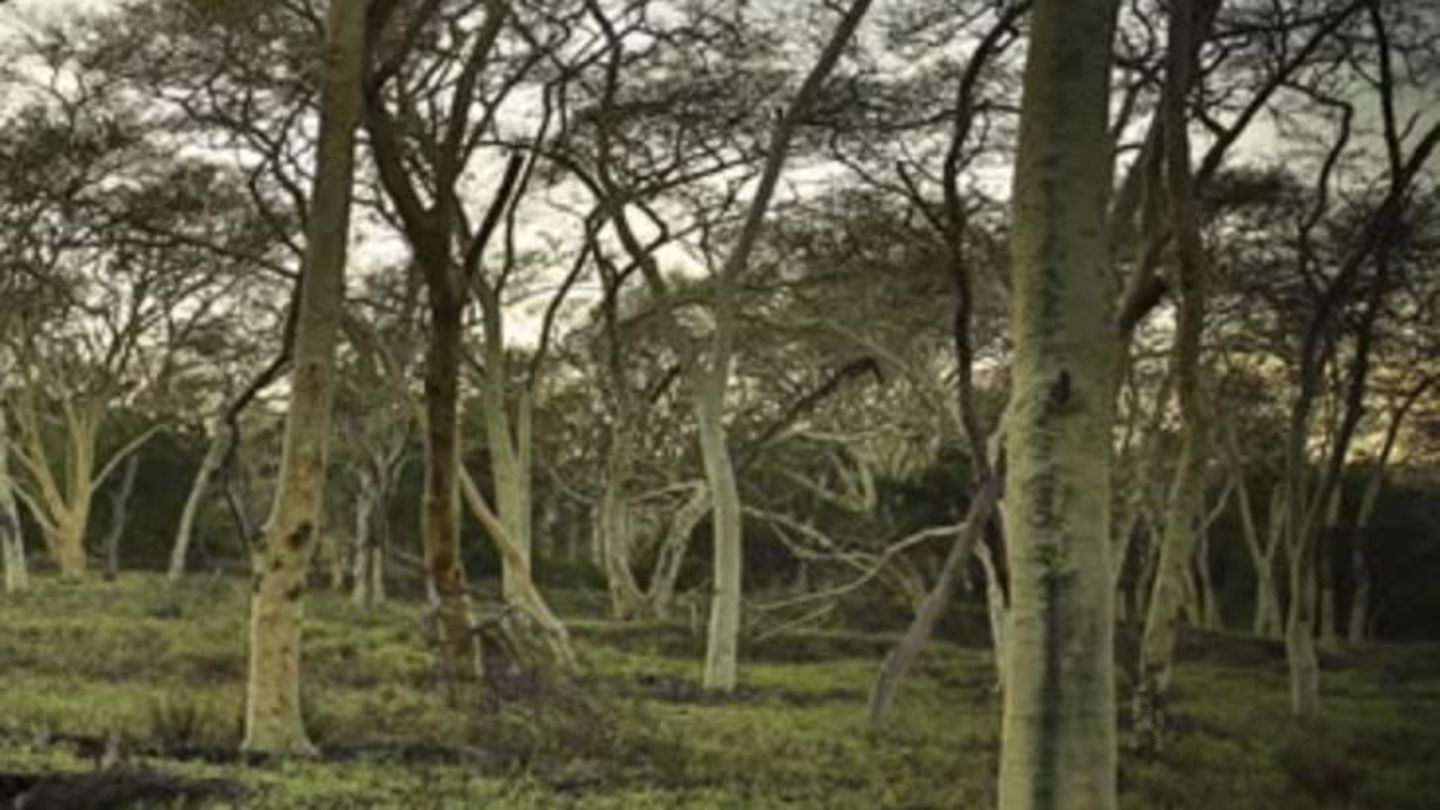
1058, 738
547, 636
932, 606
660, 596
273, 721
1360, 570
215, 455
12, 540
119, 516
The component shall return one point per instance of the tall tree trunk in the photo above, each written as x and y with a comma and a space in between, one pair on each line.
1185, 502
440, 512
119, 516
722, 647
215, 455
273, 720
12, 540
1058, 728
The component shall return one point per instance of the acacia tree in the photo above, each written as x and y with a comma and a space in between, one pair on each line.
273, 721
1058, 728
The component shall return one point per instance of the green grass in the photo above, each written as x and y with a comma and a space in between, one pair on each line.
159, 666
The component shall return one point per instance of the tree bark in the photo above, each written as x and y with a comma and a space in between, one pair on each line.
440, 509
220, 447
660, 595
508, 451
12, 540
626, 601
273, 721
1185, 502
1058, 736
119, 515
723, 641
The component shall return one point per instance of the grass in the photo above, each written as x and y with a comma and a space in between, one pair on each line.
161, 668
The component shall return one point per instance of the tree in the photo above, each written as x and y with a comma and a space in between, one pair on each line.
1058, 730
273, 721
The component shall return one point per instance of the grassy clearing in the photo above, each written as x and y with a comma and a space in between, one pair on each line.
162, 668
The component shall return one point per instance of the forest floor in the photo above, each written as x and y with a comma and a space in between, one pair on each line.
156, 673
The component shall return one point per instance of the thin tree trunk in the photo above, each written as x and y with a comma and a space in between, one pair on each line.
273, 720
507, 472
220, 448
12, 539
994, 608
927, 616
364, 544
668, 560
723, 641
1058, 740
119, 516
1360, 570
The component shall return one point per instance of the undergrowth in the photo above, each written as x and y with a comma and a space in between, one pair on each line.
159, 671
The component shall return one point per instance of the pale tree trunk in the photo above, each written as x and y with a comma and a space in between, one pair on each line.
1266, 623
994, 608
364, 544
552, 641
711, 373
723, 641
215, 455
1058, 742
60, 502
119, 515
12, 540
626, 601
1185, 501
660, 596
273, 720
508, 452
372, 532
